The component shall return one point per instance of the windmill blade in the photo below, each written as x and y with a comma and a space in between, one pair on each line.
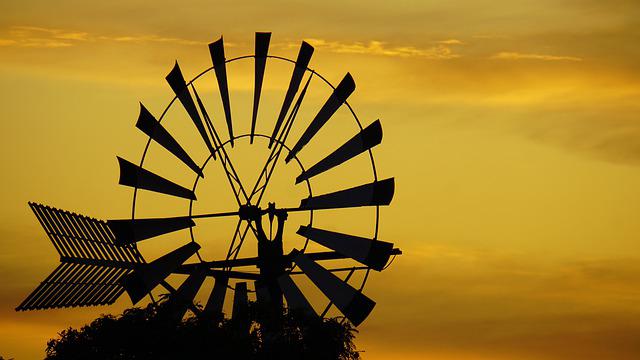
302, 62
179, 86
240, 312
148, 124
373, 253
180, 301
135, 176
375, 193
363, 141
129, 231
213, 309
146, 277
216, 49
295, 298
352, 303
262, 49
336, 99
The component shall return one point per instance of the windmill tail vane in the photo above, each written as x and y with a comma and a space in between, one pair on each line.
100, 260
91, 263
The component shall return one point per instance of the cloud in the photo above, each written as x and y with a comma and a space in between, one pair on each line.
34, 36
155, 38
450, 42
40, 37
438, 52
7, 42
525, 56
490, 37
39, 32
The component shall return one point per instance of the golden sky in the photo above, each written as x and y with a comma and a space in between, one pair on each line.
511, 128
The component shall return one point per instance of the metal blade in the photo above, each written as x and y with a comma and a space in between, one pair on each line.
129, 231
295, 298
216, 49
135, 176
363, 141
145, 278
179, 86
352, 303
336, 99
150, 126
262, 49
304, 56
373, 253
213, 309
180, 301
375, 193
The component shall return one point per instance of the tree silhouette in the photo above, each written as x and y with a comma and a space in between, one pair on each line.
149, 333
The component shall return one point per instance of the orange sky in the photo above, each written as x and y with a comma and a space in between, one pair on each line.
511, 128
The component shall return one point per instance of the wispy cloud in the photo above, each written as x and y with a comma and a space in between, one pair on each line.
451, 42
526, 56
490, 36
40, 37
439, 51
33, 36
7, 42
34, 31
154, 38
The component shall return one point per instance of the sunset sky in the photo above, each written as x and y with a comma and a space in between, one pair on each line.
512, 129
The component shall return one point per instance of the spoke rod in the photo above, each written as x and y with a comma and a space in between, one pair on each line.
221, 214
351, 269
233, 213
317, 256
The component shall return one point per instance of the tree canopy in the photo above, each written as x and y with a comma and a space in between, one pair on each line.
148, 333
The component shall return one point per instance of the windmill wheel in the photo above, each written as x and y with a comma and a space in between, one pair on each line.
286, 247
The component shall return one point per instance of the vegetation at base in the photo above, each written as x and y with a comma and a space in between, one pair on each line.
149, 333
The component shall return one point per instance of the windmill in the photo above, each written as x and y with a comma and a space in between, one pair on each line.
101, 260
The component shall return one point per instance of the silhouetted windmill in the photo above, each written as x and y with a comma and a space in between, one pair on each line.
100, 260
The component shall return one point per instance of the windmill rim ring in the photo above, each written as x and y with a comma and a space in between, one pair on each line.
314, 73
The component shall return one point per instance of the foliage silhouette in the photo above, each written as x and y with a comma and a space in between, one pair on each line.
149, 333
